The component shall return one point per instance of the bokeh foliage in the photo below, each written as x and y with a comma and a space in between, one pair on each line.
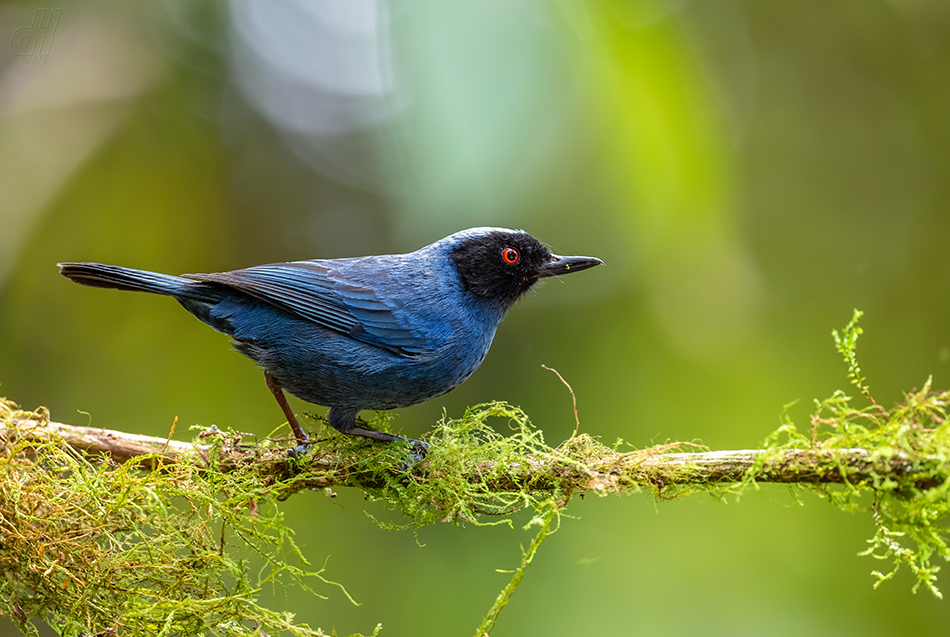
749, 172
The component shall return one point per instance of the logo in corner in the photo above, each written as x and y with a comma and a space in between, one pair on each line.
32, 44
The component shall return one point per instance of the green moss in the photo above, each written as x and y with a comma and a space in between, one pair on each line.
89, 546
910, 506
473, 474
189, 547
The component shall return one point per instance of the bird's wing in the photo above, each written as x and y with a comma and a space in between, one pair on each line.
315, 291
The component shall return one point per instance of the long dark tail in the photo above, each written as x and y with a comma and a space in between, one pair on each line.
116, 277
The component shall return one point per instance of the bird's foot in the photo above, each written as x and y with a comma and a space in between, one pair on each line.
303, 444
299, 450
419, 449
416, 455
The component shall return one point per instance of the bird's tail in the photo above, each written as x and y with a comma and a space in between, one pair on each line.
116, 277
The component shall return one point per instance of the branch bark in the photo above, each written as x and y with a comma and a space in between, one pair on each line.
655, 468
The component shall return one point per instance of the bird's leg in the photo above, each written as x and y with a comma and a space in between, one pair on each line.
344, 421
302, 438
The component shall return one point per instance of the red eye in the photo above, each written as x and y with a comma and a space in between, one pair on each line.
510, 255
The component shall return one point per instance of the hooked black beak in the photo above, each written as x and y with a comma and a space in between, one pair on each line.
558, 265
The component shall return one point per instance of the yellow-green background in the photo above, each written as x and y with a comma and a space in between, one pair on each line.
749, 171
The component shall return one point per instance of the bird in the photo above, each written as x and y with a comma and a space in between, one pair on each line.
374, 332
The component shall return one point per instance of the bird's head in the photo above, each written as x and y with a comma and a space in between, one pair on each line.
502, 264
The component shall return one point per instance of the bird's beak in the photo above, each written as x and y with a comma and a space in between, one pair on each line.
564, 265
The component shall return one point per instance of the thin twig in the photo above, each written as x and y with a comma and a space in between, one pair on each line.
170, 434
577, 420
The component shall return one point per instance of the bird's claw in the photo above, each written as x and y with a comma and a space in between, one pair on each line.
418, 453
299, 450
419, 449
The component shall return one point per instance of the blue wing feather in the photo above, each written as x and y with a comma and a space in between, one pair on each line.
316, 292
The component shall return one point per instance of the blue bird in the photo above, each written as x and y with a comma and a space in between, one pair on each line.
375, 332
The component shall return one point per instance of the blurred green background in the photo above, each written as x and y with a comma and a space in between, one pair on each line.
750, 172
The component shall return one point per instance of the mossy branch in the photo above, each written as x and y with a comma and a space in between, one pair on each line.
94, 544
577, 466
